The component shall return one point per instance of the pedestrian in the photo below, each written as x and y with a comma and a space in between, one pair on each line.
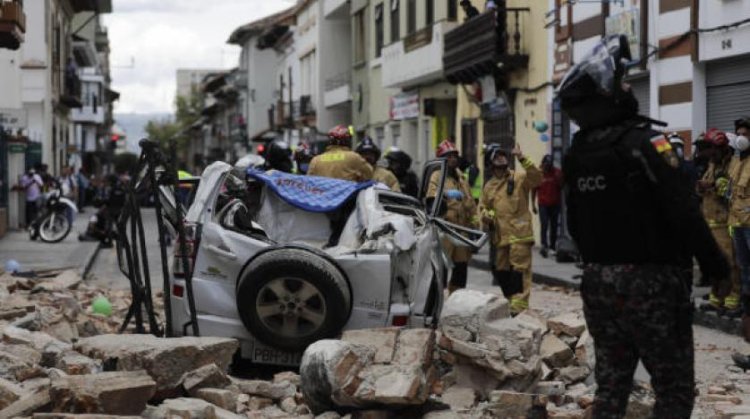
739, 217
399, 162
634, 222
469, 9
83, 188
371, 153
68, 189
340, 162
548, 197
505, 207
458, 207
713, 190
31, 183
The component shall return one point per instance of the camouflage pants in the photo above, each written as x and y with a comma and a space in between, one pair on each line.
640, 313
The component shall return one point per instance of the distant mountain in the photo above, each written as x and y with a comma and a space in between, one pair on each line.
134, 125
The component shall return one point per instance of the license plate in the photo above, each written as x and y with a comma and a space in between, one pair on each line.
263, 354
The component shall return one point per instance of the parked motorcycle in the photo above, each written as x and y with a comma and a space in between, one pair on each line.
53, 225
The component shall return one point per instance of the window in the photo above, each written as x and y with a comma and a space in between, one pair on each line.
411, 22
395, 22
378, 30
452, 10
430, 11
359, 34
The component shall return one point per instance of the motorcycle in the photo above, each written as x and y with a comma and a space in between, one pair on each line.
53, 225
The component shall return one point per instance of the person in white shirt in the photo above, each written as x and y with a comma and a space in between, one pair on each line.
32, 184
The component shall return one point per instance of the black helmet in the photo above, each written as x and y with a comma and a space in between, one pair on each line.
367, 145
742, 123
592, 92
278, 156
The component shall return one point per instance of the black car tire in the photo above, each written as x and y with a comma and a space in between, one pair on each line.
295, 274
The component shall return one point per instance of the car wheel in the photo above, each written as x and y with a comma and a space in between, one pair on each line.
290, 298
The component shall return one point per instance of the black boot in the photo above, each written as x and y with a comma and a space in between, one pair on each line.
742, 361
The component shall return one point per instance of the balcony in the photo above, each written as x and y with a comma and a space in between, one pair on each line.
12, 25
337, 90
71, 94
485, 43
97, 6
333, 9
90, 112
416, 59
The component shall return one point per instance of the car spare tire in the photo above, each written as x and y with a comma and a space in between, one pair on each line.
289, 298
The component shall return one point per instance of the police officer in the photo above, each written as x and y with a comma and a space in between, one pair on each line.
634, 221
339, 161
460, 209
370, 152
399, 163
713, 189
505, 207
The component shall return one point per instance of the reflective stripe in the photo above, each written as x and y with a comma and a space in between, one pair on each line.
514, 239
715, 224
518, 304
332, 157
526, 163
714, 300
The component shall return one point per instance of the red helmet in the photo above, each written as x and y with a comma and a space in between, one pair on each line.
340, 135
716, 138
446, 147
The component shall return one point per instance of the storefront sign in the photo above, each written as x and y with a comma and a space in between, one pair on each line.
404, 106
627, 23
13, 119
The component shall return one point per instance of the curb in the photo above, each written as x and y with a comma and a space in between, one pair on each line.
537, 278
88, 263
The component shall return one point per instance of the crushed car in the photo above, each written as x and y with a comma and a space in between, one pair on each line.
262, 272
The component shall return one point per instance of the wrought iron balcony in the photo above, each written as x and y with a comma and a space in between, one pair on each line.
484, 43
12, 25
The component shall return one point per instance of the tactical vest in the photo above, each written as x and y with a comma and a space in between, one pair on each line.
614, 212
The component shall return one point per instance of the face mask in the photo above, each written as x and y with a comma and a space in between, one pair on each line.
742, 143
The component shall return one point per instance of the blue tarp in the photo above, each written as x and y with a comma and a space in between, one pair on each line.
310, 193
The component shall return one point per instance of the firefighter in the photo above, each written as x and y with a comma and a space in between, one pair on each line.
713, 189
505, 207
339, 161
739, 216
370, 152
459, 208
303, 155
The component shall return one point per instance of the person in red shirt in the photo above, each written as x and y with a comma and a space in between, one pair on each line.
548, 195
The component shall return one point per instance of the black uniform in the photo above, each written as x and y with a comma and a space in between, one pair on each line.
636, 223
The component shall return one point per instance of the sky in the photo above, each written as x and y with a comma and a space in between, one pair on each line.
151, 39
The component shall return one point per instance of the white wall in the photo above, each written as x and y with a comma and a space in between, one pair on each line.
10, 79
720, 44
261, 85
334, 57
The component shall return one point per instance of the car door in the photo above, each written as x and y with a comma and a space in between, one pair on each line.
222, 252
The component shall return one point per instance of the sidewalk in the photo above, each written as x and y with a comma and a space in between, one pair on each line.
37, 255
548, 272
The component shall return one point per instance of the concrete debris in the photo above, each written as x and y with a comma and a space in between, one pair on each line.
206, 376
165, 360
118, 393
189, 408
571, 324
58, 359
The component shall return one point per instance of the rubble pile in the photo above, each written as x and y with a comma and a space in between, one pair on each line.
60, 305
729, 397
59, 359
482, 363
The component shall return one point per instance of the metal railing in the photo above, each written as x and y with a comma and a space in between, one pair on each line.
341, 79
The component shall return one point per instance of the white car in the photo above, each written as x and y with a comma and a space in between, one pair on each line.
262, 272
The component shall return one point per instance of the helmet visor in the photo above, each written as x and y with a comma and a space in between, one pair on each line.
601, 64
